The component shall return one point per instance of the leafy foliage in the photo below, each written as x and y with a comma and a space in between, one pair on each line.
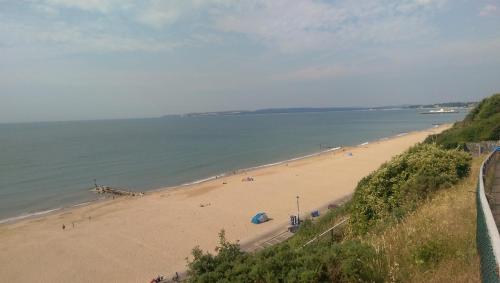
206, 267
400, 185
429, 252
481, 124
436, 242
350, 261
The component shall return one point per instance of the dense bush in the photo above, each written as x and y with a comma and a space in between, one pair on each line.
481, 124
400, 185
350, 261
206, 267
428, 253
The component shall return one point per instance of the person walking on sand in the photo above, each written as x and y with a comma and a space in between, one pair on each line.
63, 227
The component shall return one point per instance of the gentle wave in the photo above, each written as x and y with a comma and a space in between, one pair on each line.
255, 168
24, 216
29, 215
82, 204
293, 159
201, 181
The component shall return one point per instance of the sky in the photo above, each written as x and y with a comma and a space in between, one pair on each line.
108, 59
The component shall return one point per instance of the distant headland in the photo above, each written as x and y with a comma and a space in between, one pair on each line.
327, 109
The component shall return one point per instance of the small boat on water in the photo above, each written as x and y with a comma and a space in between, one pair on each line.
440, 111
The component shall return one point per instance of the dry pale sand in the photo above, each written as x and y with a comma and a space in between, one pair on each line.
134, 239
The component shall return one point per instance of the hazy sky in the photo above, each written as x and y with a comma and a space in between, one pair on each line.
93, 59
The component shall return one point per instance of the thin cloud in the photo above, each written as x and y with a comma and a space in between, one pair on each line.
102, 6
317, 73
487, 10
456, 53
315, 25
79, 39
158, 14
302, 27
157, 18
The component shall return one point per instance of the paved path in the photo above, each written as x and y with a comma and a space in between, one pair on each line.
264, 243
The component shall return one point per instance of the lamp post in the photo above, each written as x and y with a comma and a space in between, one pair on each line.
298, 211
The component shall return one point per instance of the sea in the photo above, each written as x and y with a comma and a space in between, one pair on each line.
47, 166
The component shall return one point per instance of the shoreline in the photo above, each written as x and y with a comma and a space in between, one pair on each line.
42, 213
136, 238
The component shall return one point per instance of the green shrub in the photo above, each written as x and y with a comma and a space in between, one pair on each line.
481, 124
400, 185
206, 267
350, 261
360, 263
428, 253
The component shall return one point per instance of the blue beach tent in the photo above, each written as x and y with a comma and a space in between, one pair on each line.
260, 217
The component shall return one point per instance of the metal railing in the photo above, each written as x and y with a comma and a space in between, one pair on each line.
487, 236
326, 232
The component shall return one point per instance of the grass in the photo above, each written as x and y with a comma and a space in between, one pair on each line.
435, 243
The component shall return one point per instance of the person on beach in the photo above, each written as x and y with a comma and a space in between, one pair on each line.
63, 227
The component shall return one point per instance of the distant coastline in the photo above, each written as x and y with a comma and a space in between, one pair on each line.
151, 154
453, 105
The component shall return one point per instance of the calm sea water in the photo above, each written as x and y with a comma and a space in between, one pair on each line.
49, 165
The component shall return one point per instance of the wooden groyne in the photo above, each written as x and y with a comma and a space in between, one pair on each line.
115, 191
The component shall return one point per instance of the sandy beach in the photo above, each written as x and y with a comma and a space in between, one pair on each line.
132, 239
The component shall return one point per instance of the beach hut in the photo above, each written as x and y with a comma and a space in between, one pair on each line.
260, 217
